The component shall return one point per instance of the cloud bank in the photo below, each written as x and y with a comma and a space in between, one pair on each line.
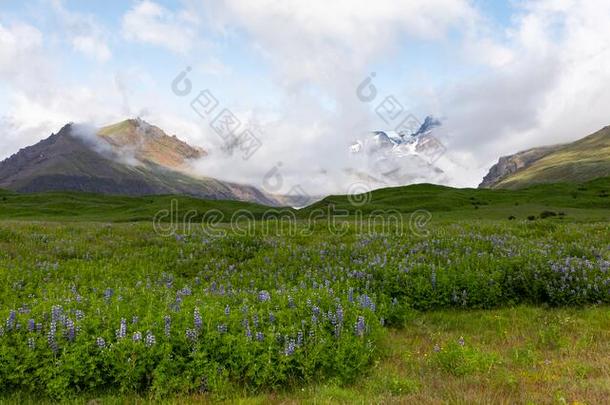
537, 78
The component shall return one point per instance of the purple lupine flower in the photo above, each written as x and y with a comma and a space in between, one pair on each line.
339, 314
291, 302
461, 341
290, 347
31, 325
150, 339
197, 319
56, 313
108, 293
222, 328
51, 337
248, 333
350, 294
360, 326
300, 339
168, 325
137, 336
271, 317
100, 342
10, 321
80, 315
191, 335
255, 320
259, 336
264, 296
122, 331
70, 330
134, 320
227, 310
367, 302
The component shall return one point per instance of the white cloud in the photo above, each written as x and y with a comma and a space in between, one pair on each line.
84, 33
540, 80
17, 42
149, 22
92, 47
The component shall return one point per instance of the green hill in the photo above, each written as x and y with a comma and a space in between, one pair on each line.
75, 206
593, 196
583, 160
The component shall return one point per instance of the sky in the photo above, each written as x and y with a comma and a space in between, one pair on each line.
502, 76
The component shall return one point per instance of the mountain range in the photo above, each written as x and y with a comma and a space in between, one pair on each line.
135, 158
579, 161
128, 158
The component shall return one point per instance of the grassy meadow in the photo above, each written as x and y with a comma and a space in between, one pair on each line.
468, 307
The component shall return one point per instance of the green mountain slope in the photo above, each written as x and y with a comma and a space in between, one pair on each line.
583, 160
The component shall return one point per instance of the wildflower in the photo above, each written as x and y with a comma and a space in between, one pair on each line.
191, 335
10, 321
31, 343
367, 302
137, 336
461, 341
299, 339
122, 331
80, 315
197, 319
339, 314
150, 339
290, 347
56, 313
359, 326
168, 324
222, 328
108, 293
31, 325
259, 336
51, 337
70, 330
264, 296
271, 317
100, 342
436, 348
291, 302
227, 310
255, 320
134, 320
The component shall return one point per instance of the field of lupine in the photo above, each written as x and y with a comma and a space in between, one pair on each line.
91, 308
